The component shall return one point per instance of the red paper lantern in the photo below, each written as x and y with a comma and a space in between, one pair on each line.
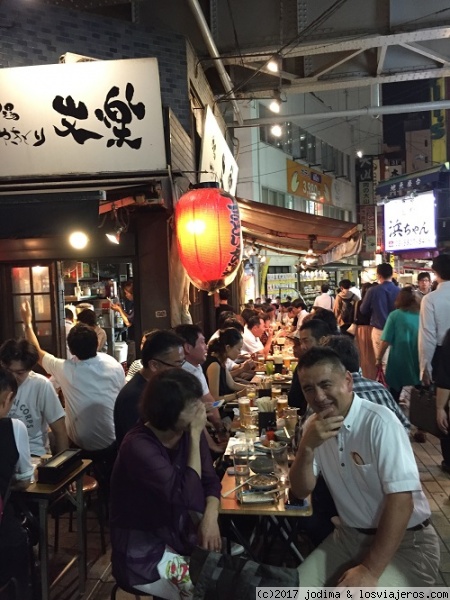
209, 237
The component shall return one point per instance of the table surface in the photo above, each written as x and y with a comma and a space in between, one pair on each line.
44, 490
230, 505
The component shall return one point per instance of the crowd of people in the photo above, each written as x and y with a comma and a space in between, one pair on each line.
159, 432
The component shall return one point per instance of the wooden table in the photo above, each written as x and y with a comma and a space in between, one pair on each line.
274, 519
45, 496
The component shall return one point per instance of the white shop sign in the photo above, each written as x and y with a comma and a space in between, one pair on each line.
409, 224
81, 118
217, 162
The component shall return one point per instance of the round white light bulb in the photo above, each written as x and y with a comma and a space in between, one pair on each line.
78, 240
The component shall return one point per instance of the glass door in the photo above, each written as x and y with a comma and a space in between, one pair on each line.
33, 283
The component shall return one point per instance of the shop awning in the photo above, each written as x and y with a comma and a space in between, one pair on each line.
290, 230
419, 181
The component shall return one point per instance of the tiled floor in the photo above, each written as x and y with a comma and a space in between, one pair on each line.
436, 485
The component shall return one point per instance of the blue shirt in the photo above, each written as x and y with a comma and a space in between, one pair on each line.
379, 302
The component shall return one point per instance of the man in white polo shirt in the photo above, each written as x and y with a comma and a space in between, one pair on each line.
195, 350
252, 332
384, 536
90, 384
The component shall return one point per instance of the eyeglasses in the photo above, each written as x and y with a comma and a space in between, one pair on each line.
177, 365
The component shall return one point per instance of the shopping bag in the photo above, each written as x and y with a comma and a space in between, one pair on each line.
422, 410
380, 376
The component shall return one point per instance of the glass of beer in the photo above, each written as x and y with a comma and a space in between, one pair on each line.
244, 408
287, 363
290, 419
282, 404
275, 391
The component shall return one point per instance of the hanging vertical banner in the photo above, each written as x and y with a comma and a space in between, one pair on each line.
438, 126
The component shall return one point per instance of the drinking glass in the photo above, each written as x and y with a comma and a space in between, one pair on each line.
276, 391
240, 461
282, 404
280, 463
290, 419
251, 429
287, 362
244, 408
270, 367
251, 394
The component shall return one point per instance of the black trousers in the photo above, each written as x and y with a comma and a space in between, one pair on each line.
14, 552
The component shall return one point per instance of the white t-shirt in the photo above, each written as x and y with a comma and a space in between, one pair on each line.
198, 372
90, 389
37, 406
251, 343
370, 458
23, 469
324, 301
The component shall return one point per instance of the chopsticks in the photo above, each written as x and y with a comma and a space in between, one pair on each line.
237, 487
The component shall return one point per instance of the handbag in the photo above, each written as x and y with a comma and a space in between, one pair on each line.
380, 376
354, 326
220, 576
352, 329
422, 410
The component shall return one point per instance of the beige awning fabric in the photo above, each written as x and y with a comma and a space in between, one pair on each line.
290, 230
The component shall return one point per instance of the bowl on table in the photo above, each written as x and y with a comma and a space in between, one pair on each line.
261, 465
263, 483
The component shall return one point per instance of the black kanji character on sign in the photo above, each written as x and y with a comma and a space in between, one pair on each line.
68, 108
117, 111
396, 229
7, 112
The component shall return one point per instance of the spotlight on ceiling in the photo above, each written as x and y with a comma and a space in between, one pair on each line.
359, 153
273, 64
276, 130
114, 236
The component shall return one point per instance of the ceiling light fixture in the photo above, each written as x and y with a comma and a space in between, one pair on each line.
78, 240
359, 153
118, 228
275, 105
276, 130
274, 64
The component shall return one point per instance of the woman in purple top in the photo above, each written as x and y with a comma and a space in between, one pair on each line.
164, 491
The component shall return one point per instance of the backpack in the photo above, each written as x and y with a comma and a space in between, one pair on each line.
348, 310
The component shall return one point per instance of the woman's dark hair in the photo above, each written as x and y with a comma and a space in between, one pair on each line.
21, 350
328, 317
218, 346
82, 341
248, 313
8, 382
232, 322
408, 300
88, 317
166, 395
346, 348
365, 288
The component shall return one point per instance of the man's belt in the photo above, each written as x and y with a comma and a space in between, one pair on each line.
415, 528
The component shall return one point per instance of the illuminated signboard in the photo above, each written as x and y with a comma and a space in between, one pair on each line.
409, 224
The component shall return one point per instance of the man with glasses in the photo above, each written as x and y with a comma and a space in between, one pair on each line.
36, 403
162, 350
